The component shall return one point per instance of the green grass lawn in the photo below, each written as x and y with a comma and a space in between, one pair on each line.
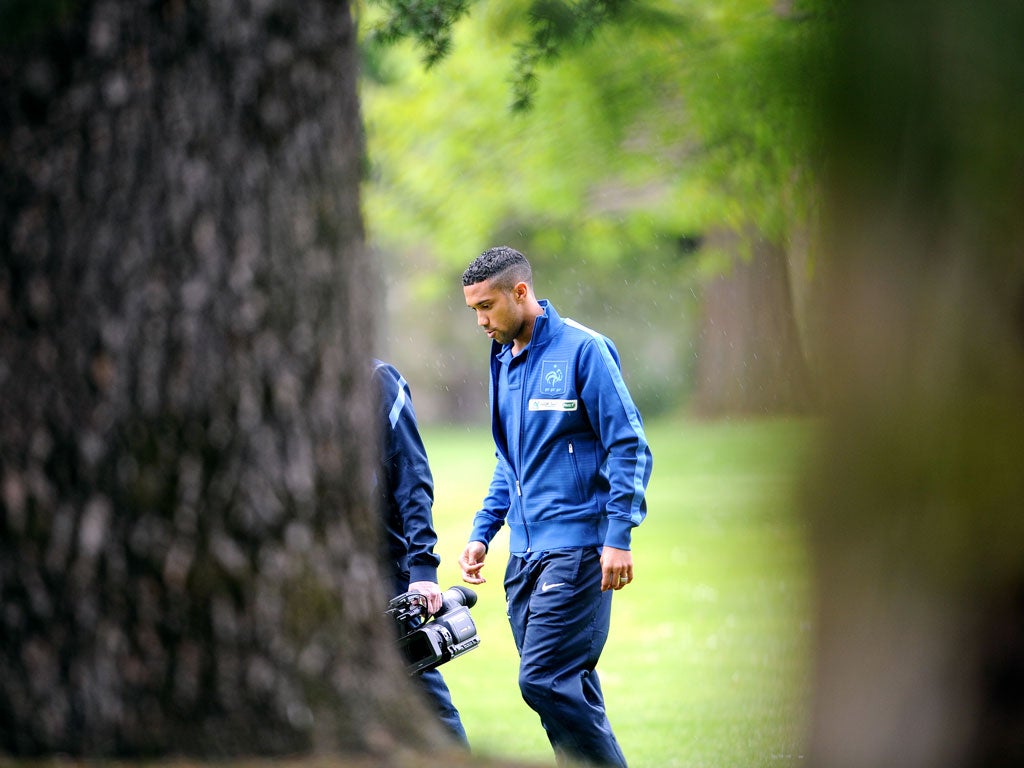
707, 663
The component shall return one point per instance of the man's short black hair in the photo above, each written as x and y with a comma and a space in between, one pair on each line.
503, 265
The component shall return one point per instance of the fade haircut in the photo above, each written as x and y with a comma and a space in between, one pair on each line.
504, 266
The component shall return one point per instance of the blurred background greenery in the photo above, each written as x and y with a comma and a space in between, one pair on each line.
657, 183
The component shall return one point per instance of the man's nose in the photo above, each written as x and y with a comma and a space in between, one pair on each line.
481, 319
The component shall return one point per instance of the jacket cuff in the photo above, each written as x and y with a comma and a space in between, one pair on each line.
481, 540
618, 535
479, 533
423, 573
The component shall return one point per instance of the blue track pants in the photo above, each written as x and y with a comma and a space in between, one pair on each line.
560, 621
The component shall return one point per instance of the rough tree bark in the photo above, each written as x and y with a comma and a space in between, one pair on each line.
750, 360
187, 551
916, 502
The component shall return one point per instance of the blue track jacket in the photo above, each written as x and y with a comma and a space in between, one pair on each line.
407, 486
573, 460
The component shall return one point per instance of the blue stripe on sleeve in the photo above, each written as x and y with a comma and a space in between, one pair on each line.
640, 468
399, 404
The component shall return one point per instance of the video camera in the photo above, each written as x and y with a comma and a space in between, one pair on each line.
429, 642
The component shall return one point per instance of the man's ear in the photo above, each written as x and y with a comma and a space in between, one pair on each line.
520, 291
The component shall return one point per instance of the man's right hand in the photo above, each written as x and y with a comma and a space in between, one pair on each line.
471, 561
431, 591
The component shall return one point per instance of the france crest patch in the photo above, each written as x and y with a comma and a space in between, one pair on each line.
554, 376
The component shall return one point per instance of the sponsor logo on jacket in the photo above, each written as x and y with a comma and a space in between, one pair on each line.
541, 404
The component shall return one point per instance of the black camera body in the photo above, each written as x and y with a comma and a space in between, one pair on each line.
427, 642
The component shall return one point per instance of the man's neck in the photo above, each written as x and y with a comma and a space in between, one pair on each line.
520, 342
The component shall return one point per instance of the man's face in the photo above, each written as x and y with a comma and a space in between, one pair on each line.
498, 312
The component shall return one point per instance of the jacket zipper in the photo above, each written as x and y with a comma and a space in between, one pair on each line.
576, 471
522, 433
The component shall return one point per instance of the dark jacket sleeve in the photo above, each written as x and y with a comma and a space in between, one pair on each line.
409, 485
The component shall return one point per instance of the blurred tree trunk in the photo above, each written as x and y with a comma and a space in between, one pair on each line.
187, 546
917, 502
750, 359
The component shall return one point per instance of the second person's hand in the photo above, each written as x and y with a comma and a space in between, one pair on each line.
431, 591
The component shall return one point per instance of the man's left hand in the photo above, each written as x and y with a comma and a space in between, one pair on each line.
616, 568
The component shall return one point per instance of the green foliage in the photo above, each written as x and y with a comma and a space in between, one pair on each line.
685, 113
707, 662
428, 23
556, 26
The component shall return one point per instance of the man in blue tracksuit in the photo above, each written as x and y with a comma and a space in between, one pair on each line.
572, 471
406, 490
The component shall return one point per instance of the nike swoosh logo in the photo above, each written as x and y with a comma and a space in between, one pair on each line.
546, 587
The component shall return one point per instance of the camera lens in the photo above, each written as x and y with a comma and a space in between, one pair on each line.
454, 596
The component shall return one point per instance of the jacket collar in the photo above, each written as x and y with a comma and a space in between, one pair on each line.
545, 325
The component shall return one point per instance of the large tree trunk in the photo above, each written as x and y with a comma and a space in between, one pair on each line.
187, 547
750, 360
917, 502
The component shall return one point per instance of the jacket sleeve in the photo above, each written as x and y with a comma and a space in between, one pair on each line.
617, 423
407, 474
491, 517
